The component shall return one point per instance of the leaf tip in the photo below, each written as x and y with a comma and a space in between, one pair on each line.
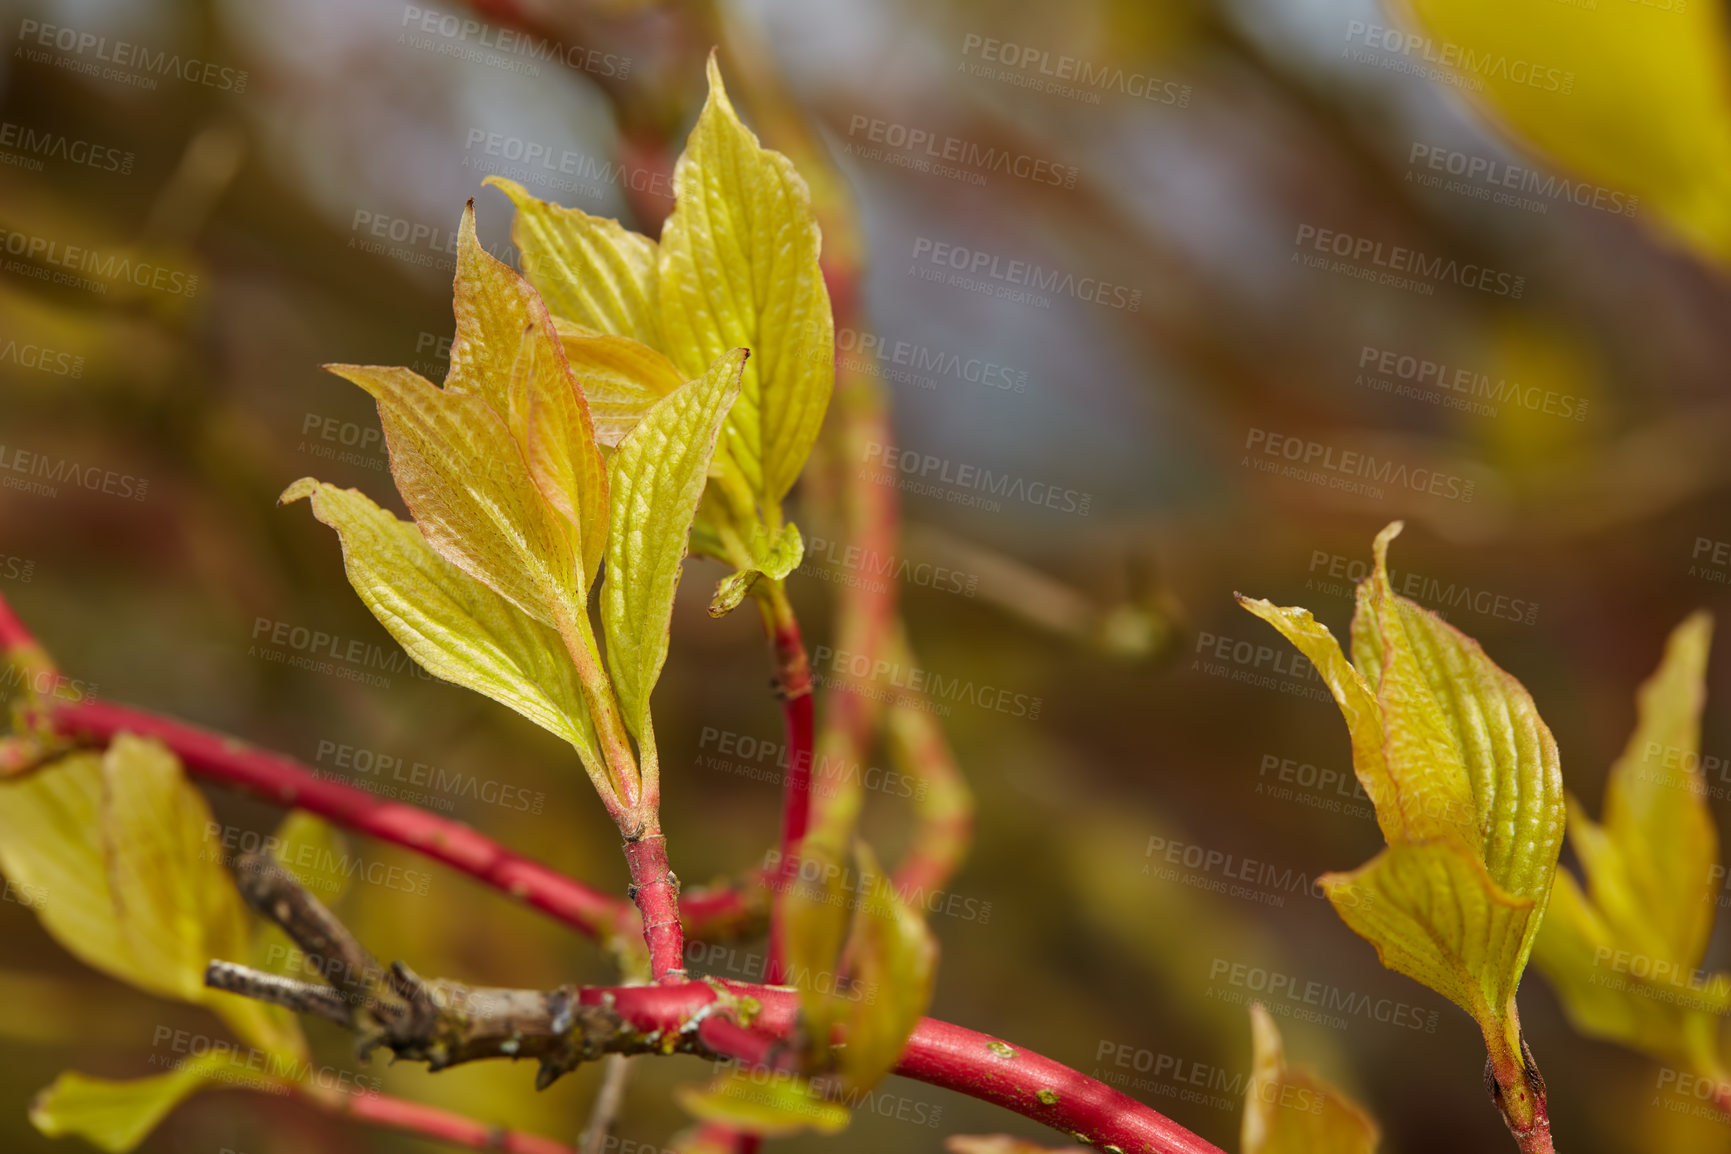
305, 487
1380, 548
1697, 628
506, 185
1265, 1035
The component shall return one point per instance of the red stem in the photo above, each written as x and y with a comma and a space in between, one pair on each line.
442, 1126
288, 783
793, 675
939, 1054
656, 892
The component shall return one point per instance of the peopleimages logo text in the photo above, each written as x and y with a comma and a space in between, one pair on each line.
1480, 66
1073, 70
35, 143
964, 478
513, 42
1398, 259
1325, 460
125, 54
123, 267
1025, 274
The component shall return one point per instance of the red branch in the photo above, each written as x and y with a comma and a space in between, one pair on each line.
656, 892
793, 679
939, 1054
442, 1126
288, 783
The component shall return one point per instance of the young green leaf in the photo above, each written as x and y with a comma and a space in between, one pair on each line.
772, 555
465, 480
452, 625
892, 954
620, 378
133, 884
774, 1105
1656, 817
1464, 777
507, 352
551, 426
1435, 915
739, 267
815, 921
1290, 1111
589, 269
1626, 960
656, 477
118, 1116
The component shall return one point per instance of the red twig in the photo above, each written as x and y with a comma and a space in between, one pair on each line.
656, 892
288, 783
793, 680
442, 1126
939, 1054
1036, 1087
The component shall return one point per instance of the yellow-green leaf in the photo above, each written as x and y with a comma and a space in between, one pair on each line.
774, 1105
815, 920
656, 477
1434, 915
466, 482
507, 352
1626, 959
1664, 1008
1464, 777
1656, 811
1289, 1111
1632, 99
119, 848
892, 957
588, 269
117, 1116
620, 377
773, 555
1469, 756
452, 625
312, 849
739, 267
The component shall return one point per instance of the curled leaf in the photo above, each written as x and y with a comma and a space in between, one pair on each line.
772, 555
1464, 777
892, 960
1289, 1111
815, 920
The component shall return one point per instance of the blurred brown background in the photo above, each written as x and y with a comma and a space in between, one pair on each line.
311, 181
